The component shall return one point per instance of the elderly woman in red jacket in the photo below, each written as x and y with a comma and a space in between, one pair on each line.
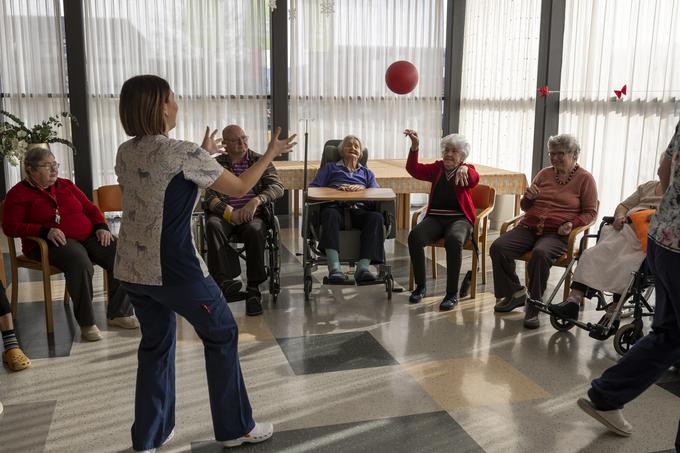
44, 205
450, 212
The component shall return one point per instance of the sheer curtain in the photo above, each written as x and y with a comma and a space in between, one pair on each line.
33, 71
608, 44
498, 94
338, 57
214, 54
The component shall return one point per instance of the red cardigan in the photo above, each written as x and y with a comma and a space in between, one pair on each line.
432, 172
30, 211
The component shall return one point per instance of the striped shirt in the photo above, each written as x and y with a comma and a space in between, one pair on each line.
237, 168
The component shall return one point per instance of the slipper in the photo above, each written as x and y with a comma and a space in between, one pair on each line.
364, 275
15, 359
337, 277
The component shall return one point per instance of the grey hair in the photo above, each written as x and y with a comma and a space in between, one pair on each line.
456, 141
566, 143
349, 138
34, 156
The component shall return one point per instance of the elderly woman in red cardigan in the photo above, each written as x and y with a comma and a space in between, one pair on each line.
560, 198
450, 212
44, 205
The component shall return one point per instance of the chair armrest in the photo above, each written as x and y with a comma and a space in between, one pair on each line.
416, 214
511, 223
575, 232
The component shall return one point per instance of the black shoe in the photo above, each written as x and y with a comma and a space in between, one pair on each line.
254, 302
230, 288
510, 303
364, 276
449, 302
531, 317
337, 277
566, 310
418, 294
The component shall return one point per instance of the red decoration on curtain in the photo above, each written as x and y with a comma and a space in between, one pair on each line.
621, 92
544, 90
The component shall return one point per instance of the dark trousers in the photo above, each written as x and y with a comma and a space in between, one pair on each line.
653, 354
455, 231
4, 303
223, 261
545, 249
203, 305
76, 260
372, 230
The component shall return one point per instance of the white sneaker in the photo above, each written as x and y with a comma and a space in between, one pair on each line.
613, 420
170, 436
124, 322
90, 333
260, 433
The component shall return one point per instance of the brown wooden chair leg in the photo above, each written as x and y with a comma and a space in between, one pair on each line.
47, 291
473, 280
484, 232
15, 289
434, 261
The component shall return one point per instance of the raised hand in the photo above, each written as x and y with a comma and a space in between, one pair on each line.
278, 147
210, 144
413, 135
461, 176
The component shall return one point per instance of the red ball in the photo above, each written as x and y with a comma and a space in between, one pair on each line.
401, 77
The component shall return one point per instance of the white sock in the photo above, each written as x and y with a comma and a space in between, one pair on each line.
520, 293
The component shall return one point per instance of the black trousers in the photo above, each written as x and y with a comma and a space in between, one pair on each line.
4, 303
371, 225
455, 231
76, 260
223, 261
545, 249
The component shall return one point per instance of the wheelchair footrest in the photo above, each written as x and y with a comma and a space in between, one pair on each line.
348, 282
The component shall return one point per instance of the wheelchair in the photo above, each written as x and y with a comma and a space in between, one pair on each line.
349, 237
634, 302
272, 247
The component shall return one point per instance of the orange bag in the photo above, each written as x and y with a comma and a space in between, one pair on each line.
639, 221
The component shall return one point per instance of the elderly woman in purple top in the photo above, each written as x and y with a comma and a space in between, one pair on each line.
348, 174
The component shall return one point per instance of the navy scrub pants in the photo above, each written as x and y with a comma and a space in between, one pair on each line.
202, 304
653, 354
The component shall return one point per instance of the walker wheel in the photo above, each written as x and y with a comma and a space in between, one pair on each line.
389, 287
626, 337
308, 286
560, 324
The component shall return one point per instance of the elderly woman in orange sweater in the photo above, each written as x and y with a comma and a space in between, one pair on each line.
560, 198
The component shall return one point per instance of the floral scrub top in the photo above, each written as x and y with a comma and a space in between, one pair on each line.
664, 228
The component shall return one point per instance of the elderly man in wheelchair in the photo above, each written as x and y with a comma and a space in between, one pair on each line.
249, 220
608, 266
348, 173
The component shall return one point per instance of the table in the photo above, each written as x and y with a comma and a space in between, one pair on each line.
330, 194
392, 174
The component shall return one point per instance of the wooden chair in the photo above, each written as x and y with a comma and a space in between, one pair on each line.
107, 199
564, 260
43, 265
484, 199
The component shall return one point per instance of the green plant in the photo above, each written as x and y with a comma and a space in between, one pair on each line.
15, 136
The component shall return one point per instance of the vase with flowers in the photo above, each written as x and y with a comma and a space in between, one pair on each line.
16, 138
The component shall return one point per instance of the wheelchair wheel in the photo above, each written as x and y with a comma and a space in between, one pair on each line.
626, 337
389, 286
560, 324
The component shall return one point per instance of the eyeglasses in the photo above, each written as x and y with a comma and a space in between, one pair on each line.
243, 138
51, 166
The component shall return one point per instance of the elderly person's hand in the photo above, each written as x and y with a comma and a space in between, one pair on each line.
461, 176
209, 143
56, 236
351, 187
237, 217
532, 192
413, 135
565, 229
618, 223
247, 212
104, 237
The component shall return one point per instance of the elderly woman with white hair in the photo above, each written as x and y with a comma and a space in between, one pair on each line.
561, 197
450, 212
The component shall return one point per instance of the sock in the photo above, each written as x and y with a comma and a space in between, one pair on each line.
333, 260
253, 288
9, 339
363, 264
520, 293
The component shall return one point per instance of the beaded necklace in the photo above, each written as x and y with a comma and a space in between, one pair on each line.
571, 175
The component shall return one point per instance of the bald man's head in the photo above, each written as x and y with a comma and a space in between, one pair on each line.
235, 142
